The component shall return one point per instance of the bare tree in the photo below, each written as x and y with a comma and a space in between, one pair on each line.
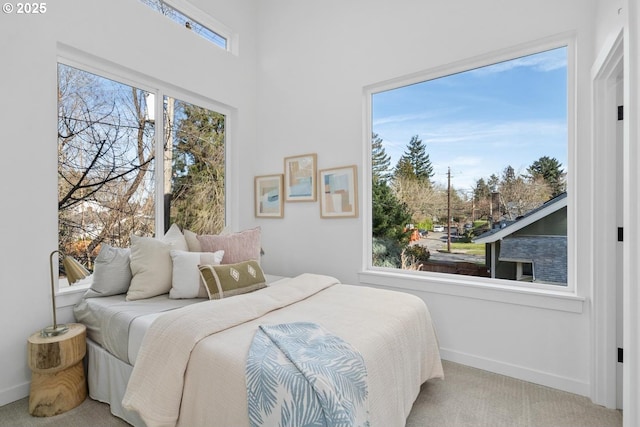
520, 194
105, 161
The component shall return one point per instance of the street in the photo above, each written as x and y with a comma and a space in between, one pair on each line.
437, 242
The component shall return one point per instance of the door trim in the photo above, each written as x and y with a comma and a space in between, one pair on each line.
605, 72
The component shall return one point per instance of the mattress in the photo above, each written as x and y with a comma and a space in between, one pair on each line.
119, 325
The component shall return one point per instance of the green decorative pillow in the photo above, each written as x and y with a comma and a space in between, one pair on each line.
227, 280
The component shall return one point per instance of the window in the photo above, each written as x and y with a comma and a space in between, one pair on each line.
188, 22
477, 158
110, 181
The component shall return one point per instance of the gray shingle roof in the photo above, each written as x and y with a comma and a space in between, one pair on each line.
548, 207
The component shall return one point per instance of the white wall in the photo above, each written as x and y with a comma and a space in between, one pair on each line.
114, 31
314, 61
611, 18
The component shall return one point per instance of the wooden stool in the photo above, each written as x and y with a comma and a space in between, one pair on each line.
57, 373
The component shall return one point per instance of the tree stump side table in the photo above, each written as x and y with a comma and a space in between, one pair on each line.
57, 372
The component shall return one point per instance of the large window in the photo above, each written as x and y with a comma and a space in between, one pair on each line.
469, 172
114, 179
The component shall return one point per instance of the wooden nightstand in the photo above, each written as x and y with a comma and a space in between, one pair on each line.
57, 372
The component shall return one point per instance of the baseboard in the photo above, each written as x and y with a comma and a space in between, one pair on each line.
12, 394
520, 372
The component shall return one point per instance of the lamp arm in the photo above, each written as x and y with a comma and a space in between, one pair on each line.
53, 290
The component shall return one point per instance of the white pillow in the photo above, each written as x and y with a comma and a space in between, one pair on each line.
192, 241
111, 272
186, 275
175, 237
151, 266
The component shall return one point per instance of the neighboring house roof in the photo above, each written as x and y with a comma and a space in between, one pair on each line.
547, 208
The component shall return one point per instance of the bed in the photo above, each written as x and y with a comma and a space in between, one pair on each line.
163, 362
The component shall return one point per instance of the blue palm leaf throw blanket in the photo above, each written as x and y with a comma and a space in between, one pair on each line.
298, 374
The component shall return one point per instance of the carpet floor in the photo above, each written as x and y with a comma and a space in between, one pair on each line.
467, 397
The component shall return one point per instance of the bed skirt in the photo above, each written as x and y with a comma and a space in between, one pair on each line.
107, 377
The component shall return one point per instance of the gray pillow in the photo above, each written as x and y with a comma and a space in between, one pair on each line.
111, 272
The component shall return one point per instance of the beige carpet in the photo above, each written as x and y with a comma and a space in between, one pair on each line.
467, 397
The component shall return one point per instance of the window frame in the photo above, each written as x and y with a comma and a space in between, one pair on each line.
86, 62
567, 297
204, 19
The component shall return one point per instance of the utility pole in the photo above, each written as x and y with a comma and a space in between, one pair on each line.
449, 209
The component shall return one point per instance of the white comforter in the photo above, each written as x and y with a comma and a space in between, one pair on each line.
190, 370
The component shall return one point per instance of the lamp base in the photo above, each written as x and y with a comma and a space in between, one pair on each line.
54, 331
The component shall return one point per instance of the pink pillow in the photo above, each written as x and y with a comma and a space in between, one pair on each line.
237, 247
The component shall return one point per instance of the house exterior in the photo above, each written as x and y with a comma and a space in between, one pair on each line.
533, 247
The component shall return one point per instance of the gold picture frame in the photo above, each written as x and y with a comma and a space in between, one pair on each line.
300, 178
268, 196
339, 192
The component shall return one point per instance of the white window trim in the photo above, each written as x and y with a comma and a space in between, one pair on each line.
536, 295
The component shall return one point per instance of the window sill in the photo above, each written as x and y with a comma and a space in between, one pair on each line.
70, 295
446, 285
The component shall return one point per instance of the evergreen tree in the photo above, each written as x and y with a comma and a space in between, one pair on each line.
380, 160
404, 170
198, 170
481, 191
493, 183
508, 176
389, 215
416, 156
550, 170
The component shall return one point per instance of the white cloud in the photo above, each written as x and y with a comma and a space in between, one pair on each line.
477, 149
541, 62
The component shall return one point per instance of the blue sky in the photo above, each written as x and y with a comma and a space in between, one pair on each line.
480, 121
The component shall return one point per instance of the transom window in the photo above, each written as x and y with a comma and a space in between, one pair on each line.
189, 22
469, 172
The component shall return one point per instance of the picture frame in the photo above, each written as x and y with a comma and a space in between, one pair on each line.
300, 178
268, 198
339, 192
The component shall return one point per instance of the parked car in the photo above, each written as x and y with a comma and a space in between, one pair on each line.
438, 228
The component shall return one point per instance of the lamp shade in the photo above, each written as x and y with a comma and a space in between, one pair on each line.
74, 270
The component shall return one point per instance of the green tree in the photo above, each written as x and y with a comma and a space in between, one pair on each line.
198, 201
550, 170
389, 215
404, 170
380, 160
417, 158
493, 183
481, 190
481, 200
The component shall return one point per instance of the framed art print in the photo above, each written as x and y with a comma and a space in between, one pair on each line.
300, 178
339, 192
268, 196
